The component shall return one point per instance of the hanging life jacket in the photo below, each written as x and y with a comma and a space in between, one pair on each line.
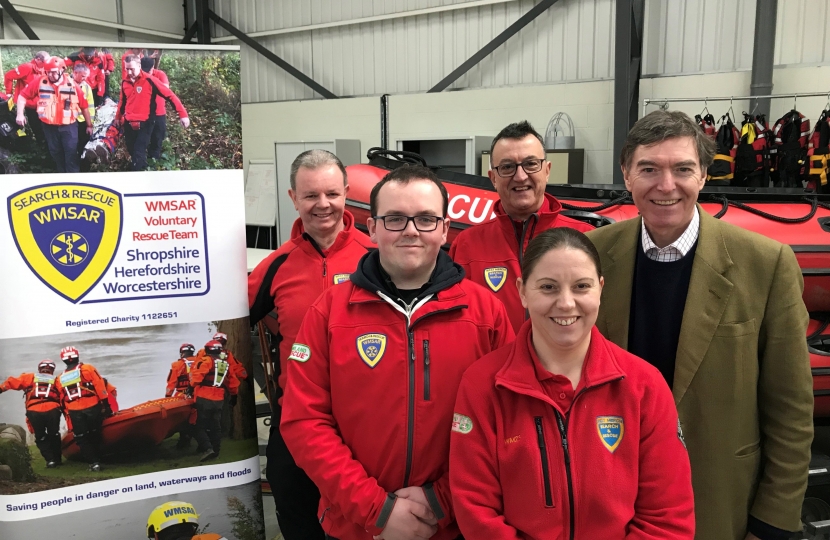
58, 104
789, 149
722, 170
818, 155
752, 157
707, 124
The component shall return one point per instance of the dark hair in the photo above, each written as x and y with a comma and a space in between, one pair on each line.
516, 131
659, 126
558, 237
404, 175
147, 64
130, 58
314, 159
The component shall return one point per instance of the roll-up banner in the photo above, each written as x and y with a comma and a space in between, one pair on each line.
126, 378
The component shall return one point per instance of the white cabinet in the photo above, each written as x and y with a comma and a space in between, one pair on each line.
348, 150
458, 154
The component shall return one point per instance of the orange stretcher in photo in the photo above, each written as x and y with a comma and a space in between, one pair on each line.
142, 426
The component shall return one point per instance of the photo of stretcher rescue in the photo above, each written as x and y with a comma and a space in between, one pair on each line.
89, 406
89, 109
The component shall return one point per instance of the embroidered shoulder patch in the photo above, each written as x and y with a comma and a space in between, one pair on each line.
300, 352
461, 423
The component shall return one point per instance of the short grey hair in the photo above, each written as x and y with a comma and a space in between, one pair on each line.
314, 159
42, 56
659, 126
80, 66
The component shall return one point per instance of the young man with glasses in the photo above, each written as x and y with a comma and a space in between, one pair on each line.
491, 253
376, 367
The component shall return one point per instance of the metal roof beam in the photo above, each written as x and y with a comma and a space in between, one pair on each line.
258, 47
18, 19
499, 40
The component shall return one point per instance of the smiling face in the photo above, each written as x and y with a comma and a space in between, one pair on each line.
320, 199
664, 180
409, 256
522, 194
562, 295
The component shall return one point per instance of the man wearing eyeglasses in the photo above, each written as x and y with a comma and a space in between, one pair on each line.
376, 367
491, 253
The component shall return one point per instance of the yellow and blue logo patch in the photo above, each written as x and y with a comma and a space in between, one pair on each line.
495, 277
371, 347
611, 430
340, 278
68, 234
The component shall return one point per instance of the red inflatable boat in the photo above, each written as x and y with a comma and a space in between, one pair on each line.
791, 216
142, 426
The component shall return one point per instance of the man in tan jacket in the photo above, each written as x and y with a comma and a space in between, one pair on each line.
718, 310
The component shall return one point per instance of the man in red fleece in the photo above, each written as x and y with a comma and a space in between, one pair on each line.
374, 371
491, 253
323, 251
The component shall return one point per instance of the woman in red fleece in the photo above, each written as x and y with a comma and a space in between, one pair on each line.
562, 435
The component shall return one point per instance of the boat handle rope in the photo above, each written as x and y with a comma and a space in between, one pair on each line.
619, 200
814, 204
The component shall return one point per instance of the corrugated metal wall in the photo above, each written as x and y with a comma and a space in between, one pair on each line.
572, 41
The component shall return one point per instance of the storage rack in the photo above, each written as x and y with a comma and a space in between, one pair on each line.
663, 103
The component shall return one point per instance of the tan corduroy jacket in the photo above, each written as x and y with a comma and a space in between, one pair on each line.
742, 381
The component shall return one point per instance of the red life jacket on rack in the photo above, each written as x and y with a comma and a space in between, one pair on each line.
752, 156
722, 170
707, 124
818, 155
788, 151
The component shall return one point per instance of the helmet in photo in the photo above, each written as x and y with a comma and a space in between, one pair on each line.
221, 338
177, 515
46, 366
70, 355
187, 349
55, 62
213, 348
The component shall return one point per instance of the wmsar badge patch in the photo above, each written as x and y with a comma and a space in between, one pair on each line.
67, 233
495, 277
371, 347
611, 430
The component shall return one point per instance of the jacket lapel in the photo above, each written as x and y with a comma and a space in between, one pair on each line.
708, 294
619, 279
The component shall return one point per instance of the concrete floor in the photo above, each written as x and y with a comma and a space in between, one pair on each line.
272, 528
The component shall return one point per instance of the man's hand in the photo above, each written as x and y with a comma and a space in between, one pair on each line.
408, 521
185, 122
21, 120
89, 130
416, 494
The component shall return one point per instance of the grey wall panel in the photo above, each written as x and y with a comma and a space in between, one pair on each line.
571, 41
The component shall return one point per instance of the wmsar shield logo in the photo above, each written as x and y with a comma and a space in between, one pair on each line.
371, 347
67, 234
495, 277
611, 430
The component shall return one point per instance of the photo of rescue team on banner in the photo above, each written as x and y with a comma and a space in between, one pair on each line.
192, 399
98, 109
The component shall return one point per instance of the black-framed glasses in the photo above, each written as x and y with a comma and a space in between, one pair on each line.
530, 166
397, 223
